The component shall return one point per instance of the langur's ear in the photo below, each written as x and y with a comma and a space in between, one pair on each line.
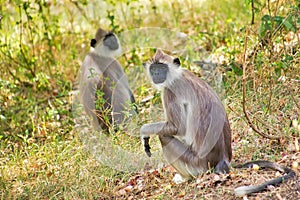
144, 65
176, 61
93, 42
159, 53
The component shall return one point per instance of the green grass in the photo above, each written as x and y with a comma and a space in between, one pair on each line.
43, 156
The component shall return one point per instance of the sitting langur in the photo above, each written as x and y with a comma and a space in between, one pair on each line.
195, 135
104, 89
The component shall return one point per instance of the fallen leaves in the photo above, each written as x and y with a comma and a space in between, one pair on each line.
255, 167
214, 180
295, 165
146, 184
297, 144
155, 184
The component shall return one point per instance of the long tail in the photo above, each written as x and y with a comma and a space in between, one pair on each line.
244, 190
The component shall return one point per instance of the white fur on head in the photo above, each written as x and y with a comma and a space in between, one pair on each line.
174, 73
104, 51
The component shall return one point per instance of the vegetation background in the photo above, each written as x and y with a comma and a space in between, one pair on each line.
42, 44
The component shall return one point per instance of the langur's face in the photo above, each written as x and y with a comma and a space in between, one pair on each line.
163, 69
110, 41
158, 72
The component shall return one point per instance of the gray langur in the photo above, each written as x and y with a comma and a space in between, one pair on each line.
195, 135
104, 89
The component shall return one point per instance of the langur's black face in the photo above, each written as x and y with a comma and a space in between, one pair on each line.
158, 72
111, 41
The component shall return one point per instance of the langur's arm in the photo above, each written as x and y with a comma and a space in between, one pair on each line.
158, 128
165, 128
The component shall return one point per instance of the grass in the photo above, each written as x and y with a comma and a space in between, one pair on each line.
43, 155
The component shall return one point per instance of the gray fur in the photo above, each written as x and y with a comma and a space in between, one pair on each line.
101, 72
196, 134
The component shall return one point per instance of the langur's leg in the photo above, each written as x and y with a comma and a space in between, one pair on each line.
227, 140
220, 154
181, 157
222, 167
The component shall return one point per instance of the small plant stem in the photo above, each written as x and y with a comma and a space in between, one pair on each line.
253, 10
244, 96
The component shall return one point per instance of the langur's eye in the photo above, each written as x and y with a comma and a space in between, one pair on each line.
164, 67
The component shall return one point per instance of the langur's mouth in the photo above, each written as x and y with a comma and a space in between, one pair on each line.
114, 47
158, 81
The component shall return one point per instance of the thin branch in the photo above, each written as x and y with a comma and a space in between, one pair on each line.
20, 44
12, 74
270, 96
253, 10
80, 9
8, 65
244, 97
40, 103
290, 93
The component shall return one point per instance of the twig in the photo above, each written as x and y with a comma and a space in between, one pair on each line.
12, 74
244, 96
40, 102
270, 96
20, 44
8, 66
80, 9
253, 9
290, 93
264, 41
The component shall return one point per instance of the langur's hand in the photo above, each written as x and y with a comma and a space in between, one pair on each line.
145, 141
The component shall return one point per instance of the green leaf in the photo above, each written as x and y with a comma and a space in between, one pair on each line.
288, 24
278, 20
265, 25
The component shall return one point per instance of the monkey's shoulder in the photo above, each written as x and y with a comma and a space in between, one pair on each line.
103, 63
190, 90
192, 77
198, 83
103, 58
189, 82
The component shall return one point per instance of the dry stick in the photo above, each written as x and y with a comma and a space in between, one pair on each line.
270, 96
21, 46
8, 66
12, 74
290, 93
263, 41
244, 96
80, 10
253, 12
